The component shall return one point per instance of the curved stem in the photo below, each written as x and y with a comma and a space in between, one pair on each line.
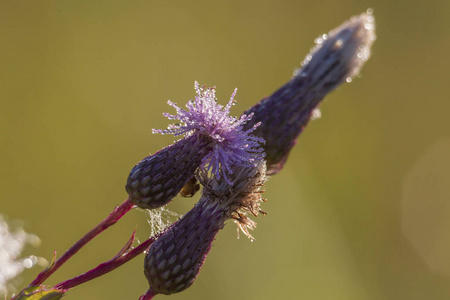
118, 213
106, 266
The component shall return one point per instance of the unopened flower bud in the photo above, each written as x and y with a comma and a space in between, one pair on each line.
337, 57
175, 258
158, 178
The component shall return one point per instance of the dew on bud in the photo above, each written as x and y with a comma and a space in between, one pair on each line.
336, 58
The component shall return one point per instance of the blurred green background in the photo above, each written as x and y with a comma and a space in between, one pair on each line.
361, 210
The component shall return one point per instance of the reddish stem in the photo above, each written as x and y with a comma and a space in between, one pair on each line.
117, 213
147, 296
107, 266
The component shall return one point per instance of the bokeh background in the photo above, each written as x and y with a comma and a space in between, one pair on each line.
361, 210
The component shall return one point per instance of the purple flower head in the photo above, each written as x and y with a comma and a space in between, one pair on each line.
230, 144
214, 141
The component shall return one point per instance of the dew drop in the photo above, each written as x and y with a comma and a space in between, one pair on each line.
316, 114
307, 59
30, 261
27, 263
348, 79
338, 44
369, 26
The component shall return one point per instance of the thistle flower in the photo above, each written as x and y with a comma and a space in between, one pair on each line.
337, 57
205, 117
213, 141
174, 260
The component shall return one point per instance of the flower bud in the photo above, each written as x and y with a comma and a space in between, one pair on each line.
158, 178
336, 58
175, 258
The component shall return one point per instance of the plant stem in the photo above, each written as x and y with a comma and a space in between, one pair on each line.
147, 296
106, 266
117, 213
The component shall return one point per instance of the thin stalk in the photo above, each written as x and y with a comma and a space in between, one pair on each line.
107, 266
147, 296
115, 216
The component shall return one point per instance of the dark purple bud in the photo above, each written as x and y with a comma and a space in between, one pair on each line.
336, 58
158, 178
175, 258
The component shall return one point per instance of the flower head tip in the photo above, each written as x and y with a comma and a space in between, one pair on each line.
230, 144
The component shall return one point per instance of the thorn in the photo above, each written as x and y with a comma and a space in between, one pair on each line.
128, 246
